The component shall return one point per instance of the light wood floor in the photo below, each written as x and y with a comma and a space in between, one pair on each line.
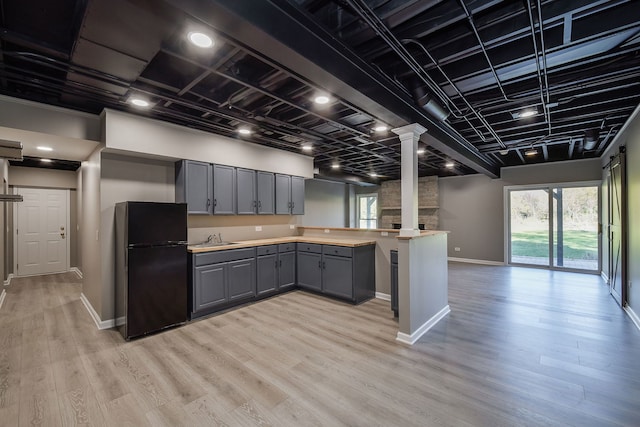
521, 347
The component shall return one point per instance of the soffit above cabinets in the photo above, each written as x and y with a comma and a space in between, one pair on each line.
465, 70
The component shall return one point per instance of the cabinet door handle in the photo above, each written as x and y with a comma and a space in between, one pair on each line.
259, 204
324, 266
280, 263
215, 202
320, 264
208, 202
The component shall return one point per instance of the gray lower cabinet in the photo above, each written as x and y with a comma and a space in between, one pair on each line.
224, 190
267, 271
276, 268
221, 279
343, 272
394, 282
286, 267
193, 186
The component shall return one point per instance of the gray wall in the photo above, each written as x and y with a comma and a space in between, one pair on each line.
326, 204
629, 136
4, 208
125, 178
472, 206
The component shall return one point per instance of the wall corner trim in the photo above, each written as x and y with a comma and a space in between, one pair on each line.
8, 281
632, 314
101, 324
475, 261
383, 297
2, 295
77, 271
411, 339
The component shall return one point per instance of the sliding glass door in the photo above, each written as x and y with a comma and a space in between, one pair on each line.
554, 226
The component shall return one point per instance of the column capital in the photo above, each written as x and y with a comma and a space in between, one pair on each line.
414, 129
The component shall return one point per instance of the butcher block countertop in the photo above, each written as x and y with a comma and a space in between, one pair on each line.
336, 241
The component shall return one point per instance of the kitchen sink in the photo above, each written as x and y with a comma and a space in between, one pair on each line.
212, 244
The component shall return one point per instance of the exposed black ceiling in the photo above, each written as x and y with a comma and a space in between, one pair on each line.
463, 69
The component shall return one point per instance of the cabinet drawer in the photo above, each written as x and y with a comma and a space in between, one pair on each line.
310, 247
224, 256
267, 250
337, 251
394, 257
286, 247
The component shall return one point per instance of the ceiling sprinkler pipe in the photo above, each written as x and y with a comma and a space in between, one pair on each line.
429, 104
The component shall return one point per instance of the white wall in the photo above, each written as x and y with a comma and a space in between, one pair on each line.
44, 178
134, 134
472, 206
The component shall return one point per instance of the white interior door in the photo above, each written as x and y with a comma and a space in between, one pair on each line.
42, 223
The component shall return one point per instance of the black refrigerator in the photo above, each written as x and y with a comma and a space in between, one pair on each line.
151, 267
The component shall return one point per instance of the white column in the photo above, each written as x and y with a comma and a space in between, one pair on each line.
409, 136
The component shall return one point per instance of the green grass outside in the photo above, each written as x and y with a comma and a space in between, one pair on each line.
577, 244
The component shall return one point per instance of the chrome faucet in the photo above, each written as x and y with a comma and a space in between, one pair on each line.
209, 239
219, 237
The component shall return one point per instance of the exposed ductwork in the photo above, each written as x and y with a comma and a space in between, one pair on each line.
430, 104
590, 139
10, 150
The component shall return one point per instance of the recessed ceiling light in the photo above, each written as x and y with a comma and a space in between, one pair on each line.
523, 114
46, 160
531, 152
373, 175
504, 152
307, 147
335, 166
381, 128
139, 102
449, 165
200, 39
321, 99
420, 151
44, 148
244, 131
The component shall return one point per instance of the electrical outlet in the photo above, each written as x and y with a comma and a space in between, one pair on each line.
457, 249
326, 230
292, 227
258, 228
384, 234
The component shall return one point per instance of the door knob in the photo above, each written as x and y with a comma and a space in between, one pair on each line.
62, 235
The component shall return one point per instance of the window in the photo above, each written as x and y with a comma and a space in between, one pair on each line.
368, 211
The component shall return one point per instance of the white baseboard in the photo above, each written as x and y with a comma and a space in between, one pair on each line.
383, 297
120, 321
2, 295
632, 314
604, 277
77, 271
411, 339
101, 324
475, 261
8, 281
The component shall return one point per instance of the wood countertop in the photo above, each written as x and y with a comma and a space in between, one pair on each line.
336, 241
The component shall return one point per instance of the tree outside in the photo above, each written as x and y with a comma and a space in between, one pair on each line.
579, 227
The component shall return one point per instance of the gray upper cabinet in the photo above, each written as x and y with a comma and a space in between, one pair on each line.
289, 195
283, 194
266, 192
246, 195
194, 186
224, 190
297, 195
